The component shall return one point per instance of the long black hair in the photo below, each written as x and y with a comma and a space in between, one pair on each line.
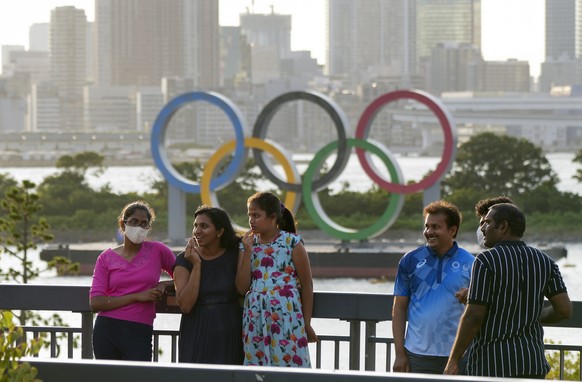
271, 204
221, 220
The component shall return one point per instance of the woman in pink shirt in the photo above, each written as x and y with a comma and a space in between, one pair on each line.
126, 284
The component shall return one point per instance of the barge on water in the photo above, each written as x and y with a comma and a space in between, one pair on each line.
327, 259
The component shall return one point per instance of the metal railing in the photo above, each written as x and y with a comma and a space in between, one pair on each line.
360, 310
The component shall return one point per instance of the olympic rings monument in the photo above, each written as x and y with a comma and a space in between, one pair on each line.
301, 187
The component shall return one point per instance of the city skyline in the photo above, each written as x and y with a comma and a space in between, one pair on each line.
503, 24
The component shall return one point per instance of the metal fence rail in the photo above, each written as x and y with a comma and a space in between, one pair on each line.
360, 310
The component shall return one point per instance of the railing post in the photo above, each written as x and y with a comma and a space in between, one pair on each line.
355, 344
87, 335
370, 347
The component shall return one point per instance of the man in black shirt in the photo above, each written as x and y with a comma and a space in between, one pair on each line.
503, 319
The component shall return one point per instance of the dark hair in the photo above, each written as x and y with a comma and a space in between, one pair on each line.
482, 206
271, 204
452, 213
130, 208
221, 220
511, 214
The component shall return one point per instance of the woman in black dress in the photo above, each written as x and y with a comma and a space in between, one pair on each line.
204, 275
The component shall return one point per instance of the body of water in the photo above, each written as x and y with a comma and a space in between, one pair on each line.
140, 178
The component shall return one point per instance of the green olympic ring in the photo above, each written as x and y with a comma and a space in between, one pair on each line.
315, 210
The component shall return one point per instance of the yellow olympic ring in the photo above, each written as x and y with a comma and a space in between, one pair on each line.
208, 197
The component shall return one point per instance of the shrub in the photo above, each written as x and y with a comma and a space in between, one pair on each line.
13, 347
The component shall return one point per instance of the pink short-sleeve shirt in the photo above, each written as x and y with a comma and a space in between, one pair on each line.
115, 276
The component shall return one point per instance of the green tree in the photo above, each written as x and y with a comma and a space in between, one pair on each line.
74, 208
499, 165
6, 182
80, 163
571, 364
21, 230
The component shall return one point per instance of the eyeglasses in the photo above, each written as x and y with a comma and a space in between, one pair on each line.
136, 223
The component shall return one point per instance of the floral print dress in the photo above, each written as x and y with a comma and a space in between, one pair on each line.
273, 324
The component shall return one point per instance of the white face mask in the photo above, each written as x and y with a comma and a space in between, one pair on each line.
480, 237
136, 234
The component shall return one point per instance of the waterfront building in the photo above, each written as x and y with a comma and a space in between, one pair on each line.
563, 63
149, 100
139, 42
506, 76
12, 114
235, 53
6, 54
68, 53
563, 29
109, 108
38, 37
438, 21
44, 108
34, 64
376, 38
372, 38
269, 36
454, 67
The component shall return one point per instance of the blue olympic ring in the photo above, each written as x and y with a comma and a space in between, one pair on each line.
159, 131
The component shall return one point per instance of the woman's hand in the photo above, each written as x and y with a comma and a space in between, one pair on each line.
247, 240
191, 252
149, 295
311, 336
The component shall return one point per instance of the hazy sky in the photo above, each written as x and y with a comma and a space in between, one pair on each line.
511, 28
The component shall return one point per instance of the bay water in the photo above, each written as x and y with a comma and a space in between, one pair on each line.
123, 179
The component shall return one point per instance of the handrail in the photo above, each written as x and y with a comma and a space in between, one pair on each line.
355, 308
339, 305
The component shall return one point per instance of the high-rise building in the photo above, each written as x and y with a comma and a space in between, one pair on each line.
68, 53
6, 51
371, 38
235, 57
270, 38
45, 108
506, 76
38, 37
563, 63
388, 38
454, 68
447, 21
139, 42
563, 29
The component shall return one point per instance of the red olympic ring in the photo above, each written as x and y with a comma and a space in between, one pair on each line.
449, 149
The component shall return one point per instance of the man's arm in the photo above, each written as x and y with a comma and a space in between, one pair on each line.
399, 318
560, 309
470, 325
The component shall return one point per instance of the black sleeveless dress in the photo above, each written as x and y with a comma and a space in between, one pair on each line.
211, 332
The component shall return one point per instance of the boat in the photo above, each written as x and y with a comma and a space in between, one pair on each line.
326, 261
378, 260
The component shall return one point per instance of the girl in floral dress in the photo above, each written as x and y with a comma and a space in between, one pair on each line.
275, 276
